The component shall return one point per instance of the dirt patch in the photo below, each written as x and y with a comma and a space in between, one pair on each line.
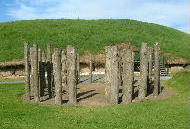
175, 69
93, 94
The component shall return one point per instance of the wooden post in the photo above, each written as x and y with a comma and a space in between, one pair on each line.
39, 55
156, 90
91, 67
78, 68
71, 74
114, 75
120, 59
64, 70
40, 71
150, 51
53, 73
43, 56
128, 73
34, 64
57, 76
27, 69
107, 71
143, 71
32, 73
49, 71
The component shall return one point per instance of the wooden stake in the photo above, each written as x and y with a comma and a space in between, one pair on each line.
27, 69
128, 74
114, 76
71, 74
91, 67
107, 71
143, 71
156, 90
35, 72
78, 68
64, 70
57, 76
49, 71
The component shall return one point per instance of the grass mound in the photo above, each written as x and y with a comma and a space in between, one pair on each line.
88, 35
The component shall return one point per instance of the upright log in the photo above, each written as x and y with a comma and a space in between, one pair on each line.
57, 76
49, 71
120, 71
91, 67
34, 65
27, 69
43, 56
71, 74
78, 68
40, 71
156, 90
53, 73
114, 75
150, 52
32, 73
143, 71
128, 74
64, 70
107, 71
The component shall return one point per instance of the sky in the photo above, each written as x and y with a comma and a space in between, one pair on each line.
171, 13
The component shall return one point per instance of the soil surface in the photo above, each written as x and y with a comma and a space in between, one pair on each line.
93, 94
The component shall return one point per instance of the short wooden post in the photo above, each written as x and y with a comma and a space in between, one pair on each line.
71, 74
43, 56
114, 75
128, 74
34, 64
143, 71
156, 90
39, 55
27, 69
91, 67
32, 73
107, 71
150, 52
78, 68
49, 70
120, 72
40, 71
64, 70
57, 76
53, 73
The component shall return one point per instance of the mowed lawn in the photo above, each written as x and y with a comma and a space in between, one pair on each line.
171, 113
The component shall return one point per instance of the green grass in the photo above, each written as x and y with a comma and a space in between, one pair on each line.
88, 35
171, 113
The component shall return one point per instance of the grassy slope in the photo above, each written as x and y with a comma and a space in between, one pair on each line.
172, 113
88, 35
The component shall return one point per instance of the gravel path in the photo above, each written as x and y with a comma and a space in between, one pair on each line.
84, 80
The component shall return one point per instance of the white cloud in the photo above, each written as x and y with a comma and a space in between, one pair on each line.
173, 13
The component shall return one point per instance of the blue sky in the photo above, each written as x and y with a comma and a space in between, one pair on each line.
172, 13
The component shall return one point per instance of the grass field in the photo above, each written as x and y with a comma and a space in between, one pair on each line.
172, 113
88, 35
